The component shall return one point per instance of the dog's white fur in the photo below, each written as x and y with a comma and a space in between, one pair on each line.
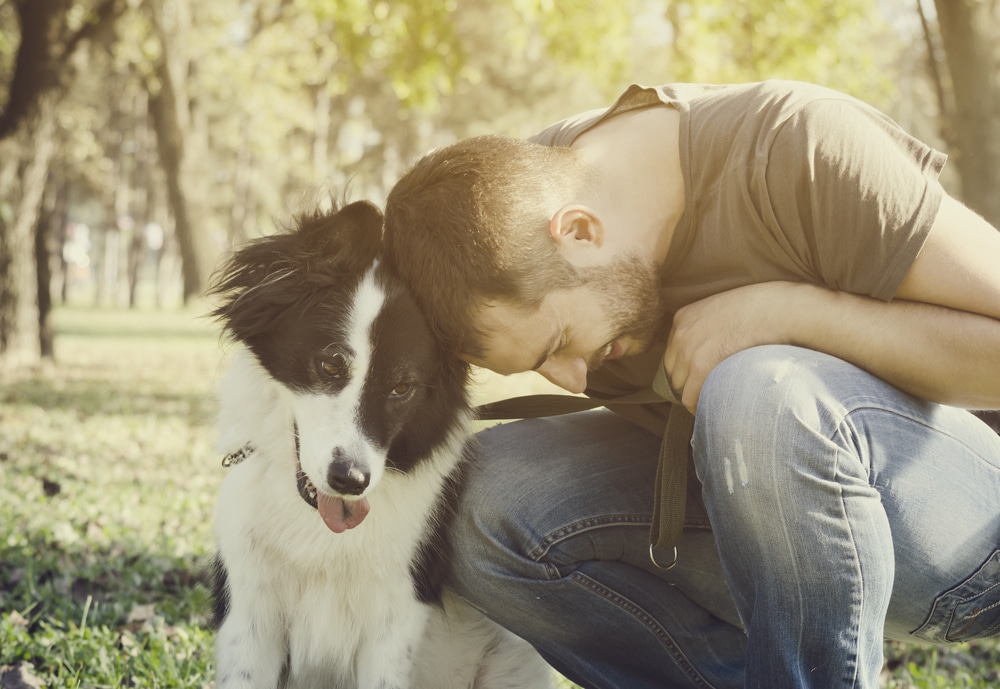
339, 609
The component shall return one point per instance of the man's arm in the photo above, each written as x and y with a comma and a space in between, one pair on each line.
939, 339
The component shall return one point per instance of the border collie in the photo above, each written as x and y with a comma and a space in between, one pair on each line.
346, 429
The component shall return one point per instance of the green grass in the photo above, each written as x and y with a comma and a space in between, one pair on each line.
107, 487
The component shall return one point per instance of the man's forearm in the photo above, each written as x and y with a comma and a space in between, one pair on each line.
940, 354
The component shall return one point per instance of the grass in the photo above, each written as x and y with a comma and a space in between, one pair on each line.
106, 497
107, 487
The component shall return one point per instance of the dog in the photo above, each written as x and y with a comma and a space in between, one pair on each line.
346, 430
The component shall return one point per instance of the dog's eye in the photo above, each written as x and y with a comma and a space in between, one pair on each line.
401, 389
333, 365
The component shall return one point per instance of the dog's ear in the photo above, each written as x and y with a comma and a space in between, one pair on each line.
291, 267
265, 266
351, 235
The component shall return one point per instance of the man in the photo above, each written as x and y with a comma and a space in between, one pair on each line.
784, 257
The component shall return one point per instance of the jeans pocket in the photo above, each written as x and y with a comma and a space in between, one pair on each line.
969, 611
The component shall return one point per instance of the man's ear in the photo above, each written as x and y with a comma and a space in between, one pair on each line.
575, 227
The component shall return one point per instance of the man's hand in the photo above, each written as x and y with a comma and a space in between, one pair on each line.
708, 331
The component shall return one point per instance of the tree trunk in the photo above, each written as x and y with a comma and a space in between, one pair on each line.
51, 222
19, 334
967, 31
168, 110
141, 183
44, 68
170, 146
243, 211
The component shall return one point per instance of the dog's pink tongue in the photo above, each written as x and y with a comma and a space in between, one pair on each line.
339, 515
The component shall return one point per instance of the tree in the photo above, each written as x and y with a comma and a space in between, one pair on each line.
48, 58
169, 109
971, 110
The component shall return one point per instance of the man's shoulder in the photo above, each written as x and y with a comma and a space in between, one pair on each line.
763, 104
744, 98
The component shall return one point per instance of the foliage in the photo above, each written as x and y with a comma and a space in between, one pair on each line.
838, 43
972, 666
9, 38
107, 487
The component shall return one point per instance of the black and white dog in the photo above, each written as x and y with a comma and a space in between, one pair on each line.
347, 429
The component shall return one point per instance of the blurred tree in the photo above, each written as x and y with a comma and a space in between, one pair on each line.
170, 108
529, 62
51, 219
54, 35
970, 109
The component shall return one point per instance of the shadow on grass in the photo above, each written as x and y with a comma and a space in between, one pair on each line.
44, 579
101, 396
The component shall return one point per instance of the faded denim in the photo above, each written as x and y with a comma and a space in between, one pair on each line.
842, 511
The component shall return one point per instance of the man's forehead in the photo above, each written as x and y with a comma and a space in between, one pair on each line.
514, 338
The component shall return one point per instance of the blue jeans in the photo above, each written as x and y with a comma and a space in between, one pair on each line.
832, 511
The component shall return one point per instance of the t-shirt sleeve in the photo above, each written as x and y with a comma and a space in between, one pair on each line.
852, 193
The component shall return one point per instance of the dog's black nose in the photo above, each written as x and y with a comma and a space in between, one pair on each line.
345, 476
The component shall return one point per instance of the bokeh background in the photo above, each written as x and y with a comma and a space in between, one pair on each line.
141, 139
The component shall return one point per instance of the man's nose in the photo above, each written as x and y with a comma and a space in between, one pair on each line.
570, 375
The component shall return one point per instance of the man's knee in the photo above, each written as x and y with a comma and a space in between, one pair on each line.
767, 374
765, 404
746, 390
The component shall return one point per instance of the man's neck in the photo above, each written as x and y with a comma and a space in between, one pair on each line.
640, 188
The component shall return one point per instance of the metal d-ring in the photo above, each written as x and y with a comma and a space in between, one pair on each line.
652, 558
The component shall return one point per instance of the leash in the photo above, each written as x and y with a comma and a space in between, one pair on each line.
672, 468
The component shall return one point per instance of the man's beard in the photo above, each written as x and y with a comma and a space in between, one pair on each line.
629, 290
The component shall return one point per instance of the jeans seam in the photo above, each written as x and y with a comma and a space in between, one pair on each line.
582, 525
944, 608
852, 407
649, 622
590, 523
859, 599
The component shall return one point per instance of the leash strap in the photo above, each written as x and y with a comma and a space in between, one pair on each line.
671, 472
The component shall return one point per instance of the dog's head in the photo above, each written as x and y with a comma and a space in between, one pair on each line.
366, 384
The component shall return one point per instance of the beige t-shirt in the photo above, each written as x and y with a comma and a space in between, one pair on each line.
783, 181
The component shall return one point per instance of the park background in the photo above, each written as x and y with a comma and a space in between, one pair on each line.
141, 139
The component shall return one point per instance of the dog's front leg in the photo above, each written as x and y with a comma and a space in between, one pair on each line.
248, 656
250, 647
386, 657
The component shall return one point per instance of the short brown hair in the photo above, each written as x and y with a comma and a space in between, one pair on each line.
468, 223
